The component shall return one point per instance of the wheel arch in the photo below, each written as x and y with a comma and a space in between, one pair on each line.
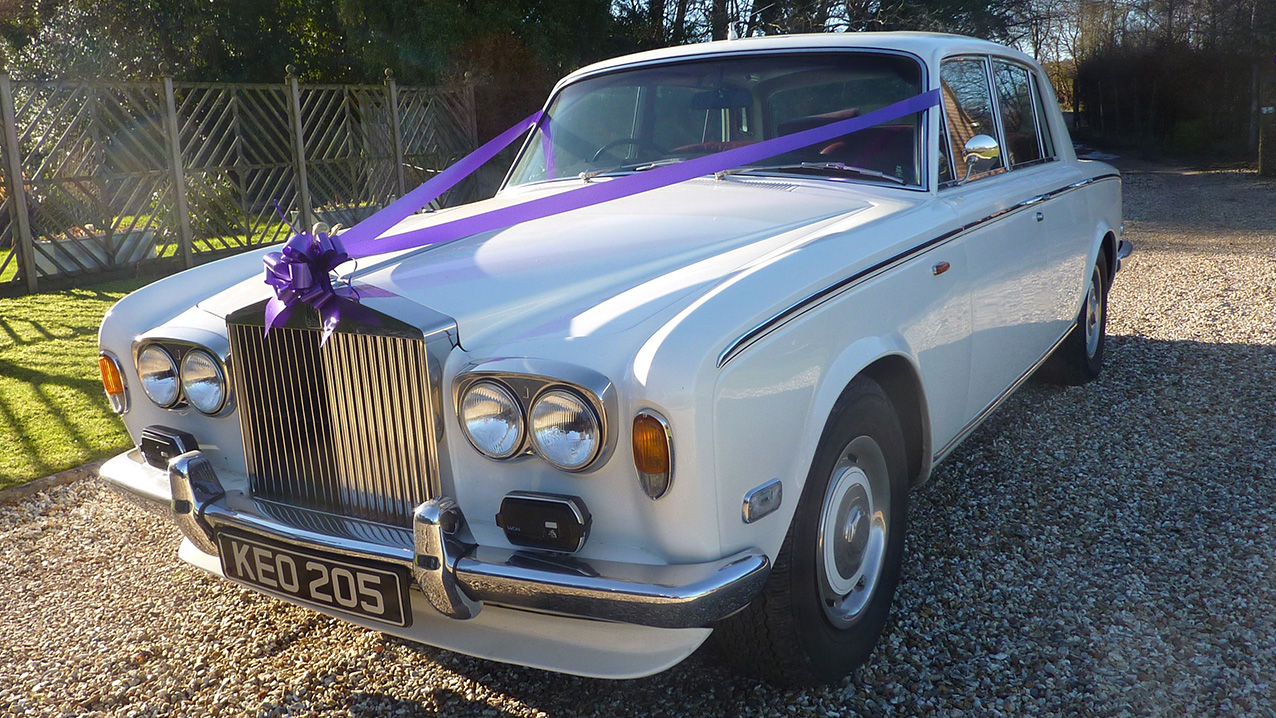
886, 359
1108, 250
902, 383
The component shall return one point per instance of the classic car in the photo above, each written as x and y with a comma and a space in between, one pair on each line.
589, 441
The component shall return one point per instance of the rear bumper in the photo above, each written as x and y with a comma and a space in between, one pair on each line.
456, 577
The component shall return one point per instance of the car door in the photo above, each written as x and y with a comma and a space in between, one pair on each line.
1061, 214
1012, 302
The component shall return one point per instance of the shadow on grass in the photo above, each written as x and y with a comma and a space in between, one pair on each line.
52, 408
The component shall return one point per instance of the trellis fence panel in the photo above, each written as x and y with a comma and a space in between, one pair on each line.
100, 177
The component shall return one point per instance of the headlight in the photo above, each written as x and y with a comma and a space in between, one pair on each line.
203, 381
565, 431
492, 419
159, 375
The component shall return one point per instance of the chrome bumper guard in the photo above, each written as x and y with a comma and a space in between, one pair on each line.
1124, 249
458, 577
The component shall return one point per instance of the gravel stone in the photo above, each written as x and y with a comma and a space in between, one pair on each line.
1099, 550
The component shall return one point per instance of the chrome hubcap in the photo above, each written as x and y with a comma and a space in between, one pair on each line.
1093, 314
853, 531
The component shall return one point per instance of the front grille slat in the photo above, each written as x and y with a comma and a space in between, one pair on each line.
340, 428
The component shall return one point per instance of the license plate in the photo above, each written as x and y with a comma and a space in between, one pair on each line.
332, 582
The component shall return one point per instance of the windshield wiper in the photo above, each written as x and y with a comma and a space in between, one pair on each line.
826, 166
633, 167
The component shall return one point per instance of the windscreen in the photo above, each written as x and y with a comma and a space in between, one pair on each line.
632, 120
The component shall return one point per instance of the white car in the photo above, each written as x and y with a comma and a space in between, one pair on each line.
589, 441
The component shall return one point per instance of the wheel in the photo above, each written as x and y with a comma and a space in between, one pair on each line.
833, 580
1079, 358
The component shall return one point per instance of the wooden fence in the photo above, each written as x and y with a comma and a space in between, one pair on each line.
103, 178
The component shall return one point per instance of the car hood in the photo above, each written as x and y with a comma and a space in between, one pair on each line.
598, 269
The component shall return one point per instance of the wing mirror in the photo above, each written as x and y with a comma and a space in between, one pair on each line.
982, 153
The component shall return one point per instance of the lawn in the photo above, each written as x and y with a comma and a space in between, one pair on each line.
53, 413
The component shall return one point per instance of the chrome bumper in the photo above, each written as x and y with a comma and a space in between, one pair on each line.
1124, 249
458, 577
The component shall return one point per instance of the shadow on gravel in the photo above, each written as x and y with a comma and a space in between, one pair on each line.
1089, 549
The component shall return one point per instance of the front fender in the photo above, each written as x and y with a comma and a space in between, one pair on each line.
770, 408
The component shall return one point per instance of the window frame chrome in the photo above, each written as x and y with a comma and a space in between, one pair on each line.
1034, 98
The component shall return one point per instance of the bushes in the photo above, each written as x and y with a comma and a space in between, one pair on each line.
1181, 97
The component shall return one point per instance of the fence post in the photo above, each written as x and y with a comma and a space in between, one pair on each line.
299, 150
17, 188
392, 91
177, 171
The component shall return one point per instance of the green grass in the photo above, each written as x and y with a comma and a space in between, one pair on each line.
53, 413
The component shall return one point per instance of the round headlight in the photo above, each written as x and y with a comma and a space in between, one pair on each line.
159, 375
565, 431
492, 419
203, 381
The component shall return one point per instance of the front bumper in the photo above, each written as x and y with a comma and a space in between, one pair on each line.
456, 577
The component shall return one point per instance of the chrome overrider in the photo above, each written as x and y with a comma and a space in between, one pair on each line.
458, 577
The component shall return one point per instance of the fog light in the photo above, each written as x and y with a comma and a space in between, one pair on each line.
653, 453
113, 382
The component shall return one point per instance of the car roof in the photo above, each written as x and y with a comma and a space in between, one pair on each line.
931, 47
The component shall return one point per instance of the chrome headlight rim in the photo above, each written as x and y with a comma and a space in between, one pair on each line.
588, 410
529, 377
173, 368
218, 370
520, 442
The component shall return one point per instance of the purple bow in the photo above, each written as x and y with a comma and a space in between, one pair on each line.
299, 273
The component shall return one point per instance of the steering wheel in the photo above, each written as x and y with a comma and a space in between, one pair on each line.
637, 141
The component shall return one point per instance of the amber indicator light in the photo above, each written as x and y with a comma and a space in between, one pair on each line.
651, 446
111, 380
652, 454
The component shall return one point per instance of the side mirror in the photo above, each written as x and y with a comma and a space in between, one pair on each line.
982, 153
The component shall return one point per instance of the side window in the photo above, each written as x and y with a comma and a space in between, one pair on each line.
968, 106
1043, 119
1018, 113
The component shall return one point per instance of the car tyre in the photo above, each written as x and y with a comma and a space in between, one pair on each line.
829, 594
1079, 358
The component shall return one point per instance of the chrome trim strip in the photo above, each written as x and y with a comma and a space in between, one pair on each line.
992, 406
457, 576
809, 302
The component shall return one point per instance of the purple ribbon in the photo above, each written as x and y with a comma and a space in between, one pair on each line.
300, 273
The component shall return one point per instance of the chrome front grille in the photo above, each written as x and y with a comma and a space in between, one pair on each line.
343, 428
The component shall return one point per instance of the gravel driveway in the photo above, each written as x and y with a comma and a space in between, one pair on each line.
1090, 551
